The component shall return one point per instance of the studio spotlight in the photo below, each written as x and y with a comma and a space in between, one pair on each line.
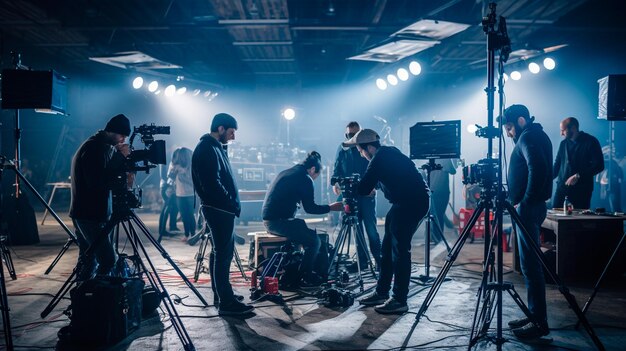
415, 68
381, 84
196, 92
392, 79
181, 90
137, 82
515, 75
289, 113
534, 68
403, 74
549, 63
207, 93
472, 128
153, 86
170, 90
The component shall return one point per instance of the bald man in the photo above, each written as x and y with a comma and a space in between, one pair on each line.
578, 160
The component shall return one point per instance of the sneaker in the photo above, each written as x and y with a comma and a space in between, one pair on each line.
530, 331
373, 299
392, 306
216, 300
234, 309
518, 323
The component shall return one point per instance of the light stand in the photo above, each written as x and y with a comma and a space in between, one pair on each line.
492, 285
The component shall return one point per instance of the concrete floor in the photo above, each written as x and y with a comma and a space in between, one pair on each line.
302, 323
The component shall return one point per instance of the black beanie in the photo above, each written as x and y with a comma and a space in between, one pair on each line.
225, 120
118, 124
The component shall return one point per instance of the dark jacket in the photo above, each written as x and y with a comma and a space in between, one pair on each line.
398, 177
586, 160
291, 187
530, 169
213, 177
349, 161
94, 166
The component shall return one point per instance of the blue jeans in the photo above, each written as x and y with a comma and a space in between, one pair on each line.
532, 216
296, 230
400, 225
102, 258
367, 217
222, 225
185, 206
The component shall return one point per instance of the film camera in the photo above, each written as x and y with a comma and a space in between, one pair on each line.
349, 191
141, 160
335, 296
483, 173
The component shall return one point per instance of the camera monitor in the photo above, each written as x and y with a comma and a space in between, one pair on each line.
435, 140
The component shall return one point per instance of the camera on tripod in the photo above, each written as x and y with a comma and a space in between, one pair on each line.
141, 160
483, 173
349, 190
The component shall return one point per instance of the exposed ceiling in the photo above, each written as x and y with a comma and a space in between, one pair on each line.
273, 43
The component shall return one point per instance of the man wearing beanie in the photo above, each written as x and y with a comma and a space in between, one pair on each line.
95, 163
215, 184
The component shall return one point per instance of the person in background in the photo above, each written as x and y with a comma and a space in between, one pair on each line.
180, 172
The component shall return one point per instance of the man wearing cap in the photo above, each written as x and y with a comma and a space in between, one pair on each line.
578, 160
407, 192
290, 188
348, 162
530, 185
96, 162
214, 182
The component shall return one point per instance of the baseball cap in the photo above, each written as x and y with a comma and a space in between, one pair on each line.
363, 136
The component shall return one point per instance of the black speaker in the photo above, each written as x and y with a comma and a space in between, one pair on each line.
24, 89
612, 97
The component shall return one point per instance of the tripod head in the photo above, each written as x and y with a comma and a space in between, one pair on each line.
349, 191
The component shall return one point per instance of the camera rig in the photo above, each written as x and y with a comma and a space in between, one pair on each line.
349, 190
141, 160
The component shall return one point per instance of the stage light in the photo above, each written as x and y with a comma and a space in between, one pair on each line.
415, 68
207, 93
153, 86
181, 90
289, 113
392, 79
196, 92
534, 68
381, 84
137, 82
170, 90
472, 128
549, 63
403, 74
515, 75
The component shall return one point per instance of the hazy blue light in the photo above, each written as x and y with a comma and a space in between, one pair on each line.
181, 90
289, 114
137, 82
534, 68
170, 90
392, 79
415, 68
153, 86
381, 84
471, 128
515, 75
549, 63
403, 74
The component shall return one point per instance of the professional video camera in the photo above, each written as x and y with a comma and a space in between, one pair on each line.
349, 190
139, 161
483, 173
337, 297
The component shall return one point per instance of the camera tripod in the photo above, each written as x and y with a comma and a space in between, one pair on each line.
429, 167
133, 227
8, 164
205, 237
351, 228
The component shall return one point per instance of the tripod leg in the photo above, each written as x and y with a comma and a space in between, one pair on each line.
338, 243
6, 318
360, 241
200, 257
571, 300
56, 260
452, 256
166, 256
6, 257
239, 264
606, 268
60, 294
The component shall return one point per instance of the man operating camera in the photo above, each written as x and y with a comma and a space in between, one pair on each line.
94, 166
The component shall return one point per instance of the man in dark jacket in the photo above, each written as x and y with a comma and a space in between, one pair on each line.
292, 187
96, 163
407, 192
530, 185
214, 182
348, 162
578, 160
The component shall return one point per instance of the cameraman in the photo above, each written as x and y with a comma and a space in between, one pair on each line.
96, 163
530, 185
290, 188
407, 192
215, 184
348, 162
